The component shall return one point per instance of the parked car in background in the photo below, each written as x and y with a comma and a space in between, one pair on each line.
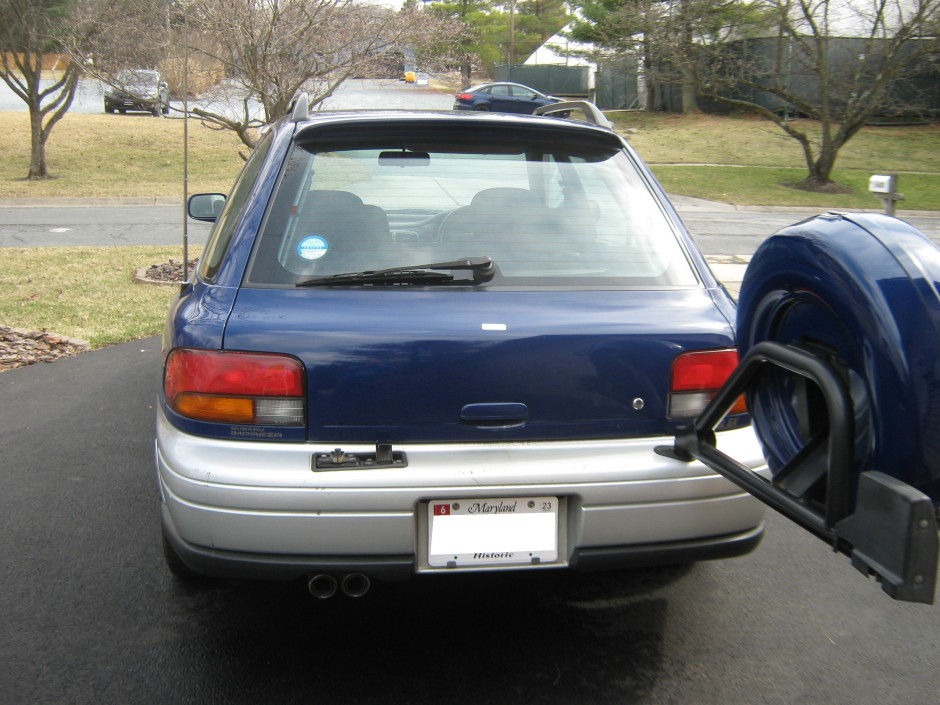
502, 98
140, 90
424, 343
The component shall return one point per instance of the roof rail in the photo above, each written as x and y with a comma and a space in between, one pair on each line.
592, 113
300, 110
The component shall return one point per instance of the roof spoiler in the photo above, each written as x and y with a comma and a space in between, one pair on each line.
592, 113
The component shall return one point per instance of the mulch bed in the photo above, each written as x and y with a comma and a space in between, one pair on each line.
166, 272
19, 347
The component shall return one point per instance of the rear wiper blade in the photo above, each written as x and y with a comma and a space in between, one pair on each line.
482, 267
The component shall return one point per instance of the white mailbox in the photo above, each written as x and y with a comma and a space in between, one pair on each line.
886, 188
881, 183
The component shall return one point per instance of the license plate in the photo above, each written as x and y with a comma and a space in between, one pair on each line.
500, 531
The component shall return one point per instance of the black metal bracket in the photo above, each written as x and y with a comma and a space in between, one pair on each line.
888, 528
383, 457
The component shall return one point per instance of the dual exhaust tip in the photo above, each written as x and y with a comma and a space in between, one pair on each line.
323, 585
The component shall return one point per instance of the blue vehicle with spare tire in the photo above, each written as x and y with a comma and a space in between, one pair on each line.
434, 343
426, 344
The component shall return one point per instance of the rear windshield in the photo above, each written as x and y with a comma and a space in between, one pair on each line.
547, 213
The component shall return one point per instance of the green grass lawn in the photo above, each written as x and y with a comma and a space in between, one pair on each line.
759, 186
84, 292
691, 156
118, 155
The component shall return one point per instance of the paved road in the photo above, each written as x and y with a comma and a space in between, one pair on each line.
351, 95
89, 615
93, 225
719, 229
739, 231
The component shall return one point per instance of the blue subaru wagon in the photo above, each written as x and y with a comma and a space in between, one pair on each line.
431, 343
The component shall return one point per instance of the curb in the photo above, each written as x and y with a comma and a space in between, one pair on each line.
62, 202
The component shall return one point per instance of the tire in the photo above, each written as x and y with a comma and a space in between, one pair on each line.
175, 564
482, 108
863, 288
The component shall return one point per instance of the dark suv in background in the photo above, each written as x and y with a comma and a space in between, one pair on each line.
138, 89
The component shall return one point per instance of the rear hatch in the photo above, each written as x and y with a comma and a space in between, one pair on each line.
458, 365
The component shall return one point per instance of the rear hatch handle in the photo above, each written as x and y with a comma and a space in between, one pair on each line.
495, 415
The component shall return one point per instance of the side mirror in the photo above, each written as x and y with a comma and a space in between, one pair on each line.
205, 206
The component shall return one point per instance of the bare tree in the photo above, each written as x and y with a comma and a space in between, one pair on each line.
72, 30
273, 49
837, 63
28, 29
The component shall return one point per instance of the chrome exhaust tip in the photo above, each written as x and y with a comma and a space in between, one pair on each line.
322, 586
356, 584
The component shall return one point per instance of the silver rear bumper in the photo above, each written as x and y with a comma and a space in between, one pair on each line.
247, 509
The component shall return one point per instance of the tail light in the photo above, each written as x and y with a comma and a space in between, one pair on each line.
696, 377
464, 96
256, 389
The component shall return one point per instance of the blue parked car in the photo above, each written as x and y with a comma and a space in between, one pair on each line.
502, 98
425, 343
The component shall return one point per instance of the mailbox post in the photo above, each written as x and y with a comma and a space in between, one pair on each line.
886, 188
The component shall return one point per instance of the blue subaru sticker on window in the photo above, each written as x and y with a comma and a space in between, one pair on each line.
313, 247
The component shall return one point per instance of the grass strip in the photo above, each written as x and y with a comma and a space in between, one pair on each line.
666, 138
117, 155
758, 186
84, 292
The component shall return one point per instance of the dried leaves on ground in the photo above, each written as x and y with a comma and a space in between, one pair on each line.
20, 347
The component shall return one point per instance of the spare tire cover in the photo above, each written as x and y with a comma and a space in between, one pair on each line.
866, 288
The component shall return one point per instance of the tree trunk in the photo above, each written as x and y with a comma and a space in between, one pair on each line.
37, 146
648, 75
689, 104
820, 171
689, 94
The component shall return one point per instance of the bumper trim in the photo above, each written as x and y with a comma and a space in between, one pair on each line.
256, 566
259, 566
657, 554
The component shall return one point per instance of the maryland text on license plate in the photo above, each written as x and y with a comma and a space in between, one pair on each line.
499, 531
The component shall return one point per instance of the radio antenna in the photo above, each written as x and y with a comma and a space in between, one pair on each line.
185, 144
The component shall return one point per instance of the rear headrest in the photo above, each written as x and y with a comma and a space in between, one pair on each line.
331, 199
503, 197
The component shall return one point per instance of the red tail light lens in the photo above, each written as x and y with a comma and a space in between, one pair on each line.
237, 388
696, 377
464, 96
